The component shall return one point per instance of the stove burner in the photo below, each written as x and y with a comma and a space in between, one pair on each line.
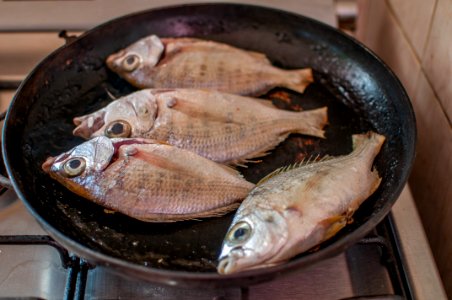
84, 280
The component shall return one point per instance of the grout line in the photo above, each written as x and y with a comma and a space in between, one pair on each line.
430, 26
397, 21
419, 59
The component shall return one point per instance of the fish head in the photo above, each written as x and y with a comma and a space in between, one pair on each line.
252, 241
73, 168
129, 116
134, 62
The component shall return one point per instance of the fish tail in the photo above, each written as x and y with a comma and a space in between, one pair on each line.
367, 146
298, 80
370, 139
311, 122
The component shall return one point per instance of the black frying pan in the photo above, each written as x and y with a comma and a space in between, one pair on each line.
361, 93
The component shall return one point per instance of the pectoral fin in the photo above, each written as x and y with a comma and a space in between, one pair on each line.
333, 225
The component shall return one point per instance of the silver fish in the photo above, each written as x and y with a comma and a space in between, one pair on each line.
295, 209
152, 62
223, 127
147, 180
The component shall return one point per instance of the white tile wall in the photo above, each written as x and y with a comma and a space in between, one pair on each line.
414, 14
387, 40
415, 39
437, 60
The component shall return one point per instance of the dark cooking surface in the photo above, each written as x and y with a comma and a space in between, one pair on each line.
360, 92
191, 245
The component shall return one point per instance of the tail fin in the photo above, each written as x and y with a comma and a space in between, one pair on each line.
298, 80
311, 122
370, 139
368, 145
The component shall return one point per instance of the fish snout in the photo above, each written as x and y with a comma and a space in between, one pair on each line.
82, 131
113, 60
87, 125
225, 265
47, 165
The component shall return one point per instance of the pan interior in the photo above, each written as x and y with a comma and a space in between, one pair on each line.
359, 91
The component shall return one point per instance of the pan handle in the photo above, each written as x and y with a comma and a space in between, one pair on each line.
67, 38
5, 181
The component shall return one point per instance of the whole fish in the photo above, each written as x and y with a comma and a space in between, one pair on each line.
148, 181
222, 127
296, 208
152, 62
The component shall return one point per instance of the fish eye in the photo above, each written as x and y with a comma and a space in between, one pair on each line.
131, 62
118, 128
239, 233
74, 167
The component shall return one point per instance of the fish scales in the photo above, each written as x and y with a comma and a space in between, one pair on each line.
296, 208
149, 188
173, 179
222, 127
229, 141
154, 62
147, 180
214, 72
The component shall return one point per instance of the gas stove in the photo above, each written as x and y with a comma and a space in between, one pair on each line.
33, 265
392, 262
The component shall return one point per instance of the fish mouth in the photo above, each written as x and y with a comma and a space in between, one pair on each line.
112, 60
226, 265
87, 125
47, 165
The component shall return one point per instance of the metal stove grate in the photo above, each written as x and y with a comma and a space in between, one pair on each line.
78, 269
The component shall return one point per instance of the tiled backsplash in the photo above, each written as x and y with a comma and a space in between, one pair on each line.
415, 39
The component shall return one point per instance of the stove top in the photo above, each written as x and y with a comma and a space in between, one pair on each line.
393, 262
372, 267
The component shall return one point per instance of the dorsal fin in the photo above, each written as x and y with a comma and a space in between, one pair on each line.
306, 161
276, 172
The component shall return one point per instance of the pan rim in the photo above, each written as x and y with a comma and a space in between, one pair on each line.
172, 277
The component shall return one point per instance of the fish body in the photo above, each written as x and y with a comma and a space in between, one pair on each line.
222, 127
147, 180
295, 209
152, 62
